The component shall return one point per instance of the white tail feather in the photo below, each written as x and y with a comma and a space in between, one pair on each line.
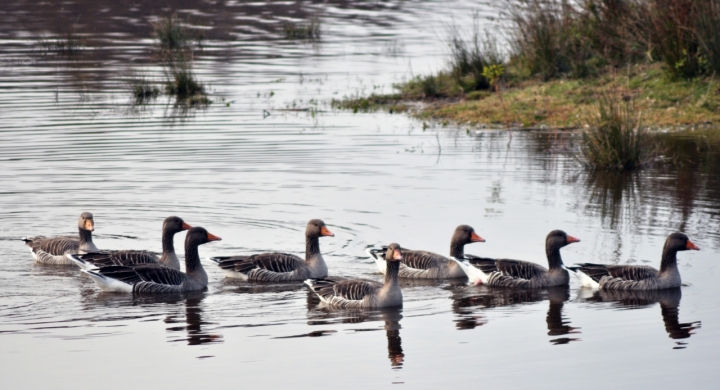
380, 262
80, 263
584, 279
474, 274
108, 284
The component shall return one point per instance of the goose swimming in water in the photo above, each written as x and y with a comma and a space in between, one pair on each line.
168, 258
638, 277
522, 274
428, 265
363, 294
52, 250
158, 279
281, 267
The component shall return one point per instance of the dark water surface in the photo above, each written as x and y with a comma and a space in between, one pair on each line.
71, 141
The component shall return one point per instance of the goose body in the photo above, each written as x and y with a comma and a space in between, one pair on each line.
155, 278
521, 274
168, 258
363, 294
53, 250
281, 267
634, 277
428, 265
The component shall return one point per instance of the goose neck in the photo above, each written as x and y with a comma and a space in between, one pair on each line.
457, 249
391, 272
168, 245
193, 267
669, 260
553, 256
85, 236
312, 247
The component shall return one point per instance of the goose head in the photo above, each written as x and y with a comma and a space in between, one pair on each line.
85, 222
198, 236
316, 228
393, 252
465, 234
679, 242
559, 239
175, 225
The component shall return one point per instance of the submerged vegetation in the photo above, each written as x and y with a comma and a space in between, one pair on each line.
68, 43
142, 89
309, 31
170, 34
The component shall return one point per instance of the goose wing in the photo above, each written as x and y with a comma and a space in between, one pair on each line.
156, 274
273, 262
632, 272
422, 260
511, 268
108, 258
55, 246
330, 289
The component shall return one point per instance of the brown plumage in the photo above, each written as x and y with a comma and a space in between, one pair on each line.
171, 226
417, 264
52, 250
634, 277
281, 267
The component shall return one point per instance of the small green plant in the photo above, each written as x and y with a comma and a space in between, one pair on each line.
616, 138
470, 54
309, 31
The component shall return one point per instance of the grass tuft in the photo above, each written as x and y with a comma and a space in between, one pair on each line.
171, 34
308, 31
67, 44
180, 79
616, 138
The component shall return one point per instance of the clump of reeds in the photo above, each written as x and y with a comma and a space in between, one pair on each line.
141, 88
180, 79
616, 138
171, 34
309, 31
470, 54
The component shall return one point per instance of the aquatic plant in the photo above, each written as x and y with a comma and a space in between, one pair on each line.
68, 43
141, 88
171, 34
180, 79
309, 31
616, 138
470, 54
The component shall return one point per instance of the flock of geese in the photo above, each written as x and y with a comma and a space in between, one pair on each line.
144, 272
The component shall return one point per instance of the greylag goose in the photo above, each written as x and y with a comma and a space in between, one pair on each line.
363, 294
281, 267
522, 274
168, 258
638, 277
158, 279
429, 265
47, 250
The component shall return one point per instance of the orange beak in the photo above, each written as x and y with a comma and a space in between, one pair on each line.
212, 237
89, 225
475, 238
691, 246
325, 232
571, 239
397, 255
186, 226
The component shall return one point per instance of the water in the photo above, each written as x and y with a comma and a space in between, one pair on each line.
71, 141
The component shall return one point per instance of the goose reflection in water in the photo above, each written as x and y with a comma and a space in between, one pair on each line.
391, 318
193, 323
469, 300
669, 300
